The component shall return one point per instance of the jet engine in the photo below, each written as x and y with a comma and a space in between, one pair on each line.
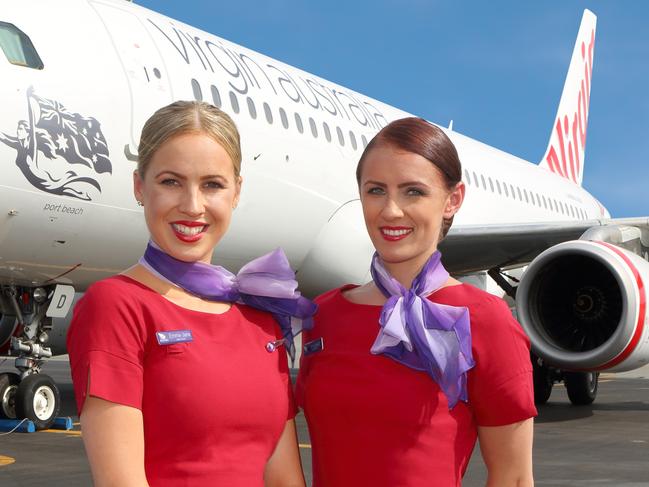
584, 306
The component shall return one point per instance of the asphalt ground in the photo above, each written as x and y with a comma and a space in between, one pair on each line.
604, 444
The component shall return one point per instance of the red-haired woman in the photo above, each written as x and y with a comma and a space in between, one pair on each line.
401, 375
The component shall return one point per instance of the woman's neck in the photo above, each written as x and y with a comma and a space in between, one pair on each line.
405, 272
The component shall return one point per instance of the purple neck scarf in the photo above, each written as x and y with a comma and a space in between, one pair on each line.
266, 283
431, 337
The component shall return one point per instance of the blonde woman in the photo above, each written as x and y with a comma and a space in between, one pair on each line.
173, 381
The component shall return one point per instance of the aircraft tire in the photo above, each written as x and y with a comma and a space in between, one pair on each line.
542, 383
581, 387
38, 399
8, 387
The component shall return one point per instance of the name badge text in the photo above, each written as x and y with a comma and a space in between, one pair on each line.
174, 336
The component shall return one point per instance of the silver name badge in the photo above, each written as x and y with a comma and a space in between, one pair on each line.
173, 336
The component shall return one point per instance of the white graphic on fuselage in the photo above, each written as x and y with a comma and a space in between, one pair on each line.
58, 151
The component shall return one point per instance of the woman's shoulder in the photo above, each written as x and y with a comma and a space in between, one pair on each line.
339, 298
117, 281
116, 292
476, 299
490, 315
116, 287
327, 297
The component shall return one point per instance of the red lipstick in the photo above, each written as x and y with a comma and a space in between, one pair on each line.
188, 237
393, 234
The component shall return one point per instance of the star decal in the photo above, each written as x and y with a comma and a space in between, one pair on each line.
62, 142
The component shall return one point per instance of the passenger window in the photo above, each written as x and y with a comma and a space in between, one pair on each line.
475, 179
327, 132
251, 108
520, 196
314, 129
216, 96
491, 185
352, 139
364, 139
234, 102
498, 187
484, 183
18, 47
525, 194
341, 139
196, 88
545, 203
467, 177
298, 123
511, 191
283, 117
505, 188
268, 113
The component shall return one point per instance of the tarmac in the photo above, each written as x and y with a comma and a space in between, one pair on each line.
605, 444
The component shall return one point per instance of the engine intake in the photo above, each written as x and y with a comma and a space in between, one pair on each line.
583, 305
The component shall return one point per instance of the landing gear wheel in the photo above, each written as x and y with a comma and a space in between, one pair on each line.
581, 387
8, 387
37, 398
542, 383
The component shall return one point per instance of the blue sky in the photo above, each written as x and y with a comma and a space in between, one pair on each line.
495, 68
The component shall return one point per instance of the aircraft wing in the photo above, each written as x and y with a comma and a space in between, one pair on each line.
472, 248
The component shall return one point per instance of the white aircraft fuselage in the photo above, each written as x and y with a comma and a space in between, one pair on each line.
117, 63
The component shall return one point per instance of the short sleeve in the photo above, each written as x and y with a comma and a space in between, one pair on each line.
501, 388
106, 343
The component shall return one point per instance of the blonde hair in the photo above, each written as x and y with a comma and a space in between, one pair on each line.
183, 117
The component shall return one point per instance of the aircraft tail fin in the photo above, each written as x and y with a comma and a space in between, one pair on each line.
565, 152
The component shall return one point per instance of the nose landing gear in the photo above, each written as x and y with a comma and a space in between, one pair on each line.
31, 394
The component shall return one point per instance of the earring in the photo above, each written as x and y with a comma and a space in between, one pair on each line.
139, 203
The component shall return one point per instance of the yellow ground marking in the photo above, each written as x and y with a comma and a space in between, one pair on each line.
65, 432
304, 445
4, 461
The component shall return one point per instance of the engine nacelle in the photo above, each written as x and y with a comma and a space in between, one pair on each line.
584, 306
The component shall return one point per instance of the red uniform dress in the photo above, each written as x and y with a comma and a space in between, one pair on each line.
376, 422
213, 407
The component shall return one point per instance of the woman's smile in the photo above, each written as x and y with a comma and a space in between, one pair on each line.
187, 231
393, 234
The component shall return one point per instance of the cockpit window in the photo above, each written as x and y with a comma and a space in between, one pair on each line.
18, 47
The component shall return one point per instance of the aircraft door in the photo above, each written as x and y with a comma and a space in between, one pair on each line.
143, 66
